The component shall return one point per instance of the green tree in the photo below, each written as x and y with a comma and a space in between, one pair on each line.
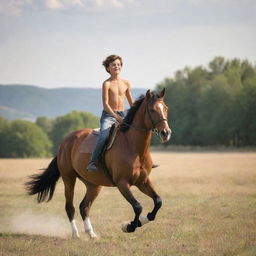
45, 123
244, 110
24, 139
217, 65
214, 105
4, 124
214, 112
70, 122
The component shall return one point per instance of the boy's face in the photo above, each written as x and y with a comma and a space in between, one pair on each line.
115, 67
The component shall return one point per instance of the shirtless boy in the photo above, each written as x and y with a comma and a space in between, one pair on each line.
114, 91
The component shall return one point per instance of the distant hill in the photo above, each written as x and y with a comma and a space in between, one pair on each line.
12, 114
29, 102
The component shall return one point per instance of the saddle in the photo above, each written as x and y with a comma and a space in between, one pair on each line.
90, 141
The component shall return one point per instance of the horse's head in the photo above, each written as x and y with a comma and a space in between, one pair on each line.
157, 115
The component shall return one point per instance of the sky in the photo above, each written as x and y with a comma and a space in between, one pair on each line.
62, 43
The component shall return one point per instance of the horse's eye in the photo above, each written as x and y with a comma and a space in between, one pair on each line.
152, 111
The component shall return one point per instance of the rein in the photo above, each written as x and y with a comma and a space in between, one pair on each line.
137, 128
153, 122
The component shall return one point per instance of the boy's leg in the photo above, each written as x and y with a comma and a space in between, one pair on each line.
106, 123
97, 150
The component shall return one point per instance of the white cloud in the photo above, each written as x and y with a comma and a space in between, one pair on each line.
54, 4
116, 3
222, 2
13, 7
58, 4
88, 4
105, 4
77, 2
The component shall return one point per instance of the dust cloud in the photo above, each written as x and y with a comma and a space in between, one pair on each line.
36, 224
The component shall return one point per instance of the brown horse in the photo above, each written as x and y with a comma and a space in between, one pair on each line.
128, 163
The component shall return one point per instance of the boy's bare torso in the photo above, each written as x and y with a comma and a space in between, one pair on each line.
116, 93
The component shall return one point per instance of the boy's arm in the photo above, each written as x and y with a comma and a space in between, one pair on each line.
107, 108
129, 94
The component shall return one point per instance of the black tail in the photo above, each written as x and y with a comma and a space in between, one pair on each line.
44, 184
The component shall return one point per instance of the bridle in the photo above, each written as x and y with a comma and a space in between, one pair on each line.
153, 122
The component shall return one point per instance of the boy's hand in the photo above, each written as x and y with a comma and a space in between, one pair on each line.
119, 119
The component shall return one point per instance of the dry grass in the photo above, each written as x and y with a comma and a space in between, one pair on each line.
209, 208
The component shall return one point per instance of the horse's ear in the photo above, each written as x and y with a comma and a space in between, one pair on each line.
162, 93
148, 94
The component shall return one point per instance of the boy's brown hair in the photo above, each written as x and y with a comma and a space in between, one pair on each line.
110, 59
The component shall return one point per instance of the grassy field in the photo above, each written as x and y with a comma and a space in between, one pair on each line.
209, 208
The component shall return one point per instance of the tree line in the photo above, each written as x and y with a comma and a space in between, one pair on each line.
208, 106
41, 138
213, 105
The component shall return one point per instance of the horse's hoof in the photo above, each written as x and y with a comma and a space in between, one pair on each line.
143, 220
124, 226
92, 235
75, 236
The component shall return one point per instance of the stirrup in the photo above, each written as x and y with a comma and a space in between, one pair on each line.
91, 167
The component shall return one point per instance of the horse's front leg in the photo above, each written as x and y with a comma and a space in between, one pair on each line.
148, 189
125, 190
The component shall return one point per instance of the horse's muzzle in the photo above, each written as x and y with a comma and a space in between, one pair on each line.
165, 135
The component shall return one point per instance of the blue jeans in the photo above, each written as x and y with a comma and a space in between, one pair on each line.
106, 121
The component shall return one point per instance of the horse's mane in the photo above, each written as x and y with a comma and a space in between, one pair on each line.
125, 125
130, 114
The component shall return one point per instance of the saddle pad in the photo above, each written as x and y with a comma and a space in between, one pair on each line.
90, 142
91, 139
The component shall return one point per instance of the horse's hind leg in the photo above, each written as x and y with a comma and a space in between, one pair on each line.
91, 194
69, 184
147, 188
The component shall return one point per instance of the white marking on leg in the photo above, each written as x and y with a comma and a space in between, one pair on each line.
74, 229
88, 228
143, 220
124, 226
